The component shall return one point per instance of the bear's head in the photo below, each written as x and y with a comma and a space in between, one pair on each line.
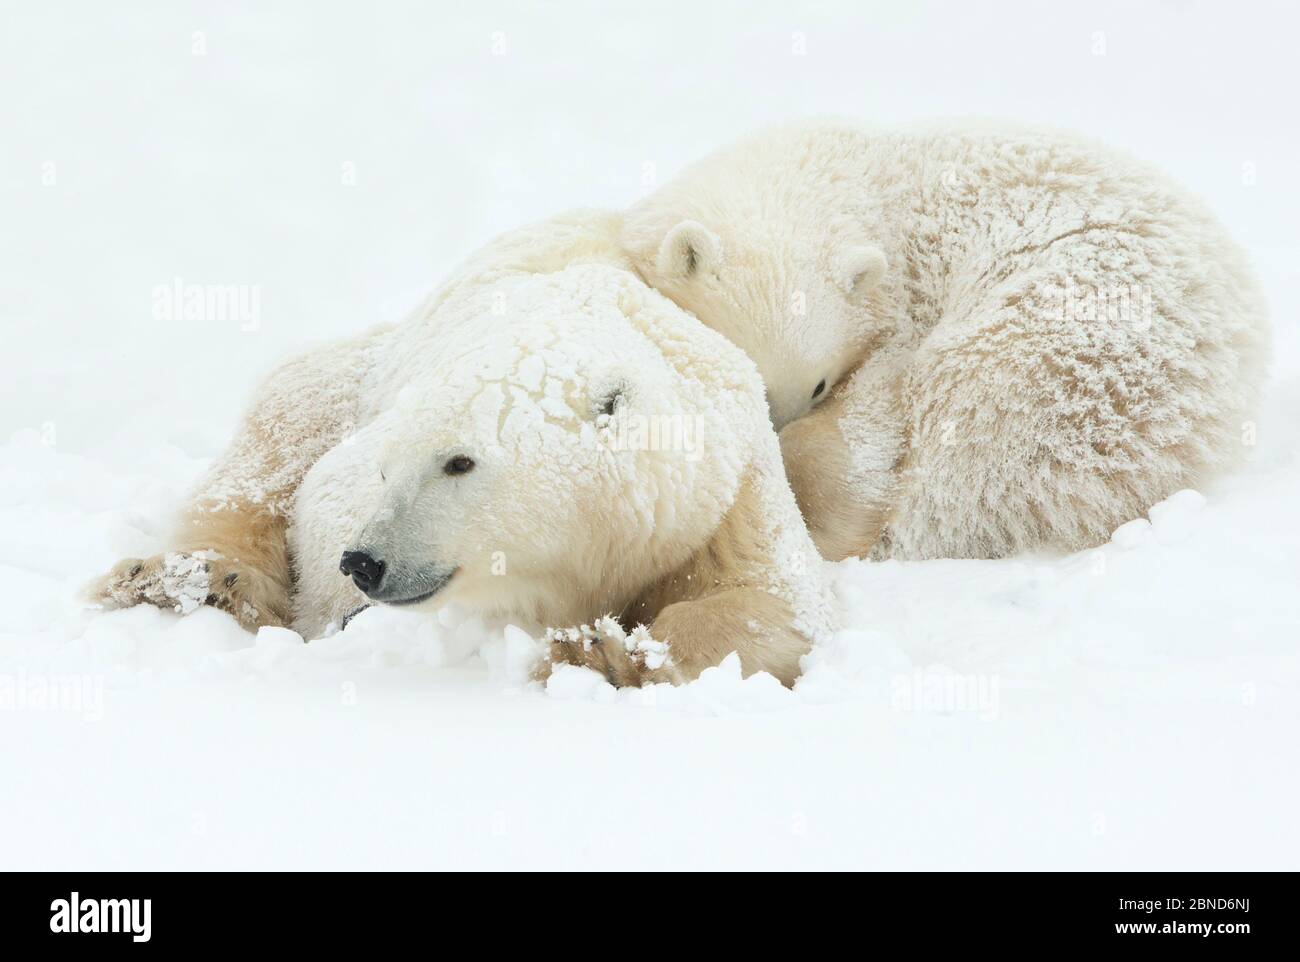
793, 289
564, 440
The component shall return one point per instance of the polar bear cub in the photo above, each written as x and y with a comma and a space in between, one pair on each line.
975, 341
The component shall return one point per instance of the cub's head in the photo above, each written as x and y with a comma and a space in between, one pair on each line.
791, 290
574, 437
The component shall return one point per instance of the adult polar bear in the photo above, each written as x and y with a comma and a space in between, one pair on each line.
485, 452
1022, 339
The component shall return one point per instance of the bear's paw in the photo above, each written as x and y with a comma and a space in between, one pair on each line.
626, 659
184, 581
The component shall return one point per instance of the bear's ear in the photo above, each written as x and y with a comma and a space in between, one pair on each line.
689, 247
858, 269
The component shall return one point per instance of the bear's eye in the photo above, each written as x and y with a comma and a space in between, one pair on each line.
821, 386
458, 465
610, 404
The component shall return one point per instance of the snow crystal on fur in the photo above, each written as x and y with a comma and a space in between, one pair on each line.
185, 579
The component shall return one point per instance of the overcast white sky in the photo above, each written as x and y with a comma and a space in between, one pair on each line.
208, 142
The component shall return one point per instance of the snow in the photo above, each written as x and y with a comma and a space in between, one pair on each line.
1132, 706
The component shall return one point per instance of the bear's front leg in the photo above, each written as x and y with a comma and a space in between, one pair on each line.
755, 624
232, 561
230, 550
841, 460
686, 638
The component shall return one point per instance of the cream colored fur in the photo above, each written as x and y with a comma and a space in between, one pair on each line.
1027, 338
512, 363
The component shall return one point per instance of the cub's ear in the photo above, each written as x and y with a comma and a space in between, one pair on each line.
858, 269
689, 247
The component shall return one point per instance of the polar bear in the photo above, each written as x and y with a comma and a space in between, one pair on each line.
975, 340
548, 440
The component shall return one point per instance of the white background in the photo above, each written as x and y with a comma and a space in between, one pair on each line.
1148, 701
226, 168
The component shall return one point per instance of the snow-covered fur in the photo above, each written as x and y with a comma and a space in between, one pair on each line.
1025, 338
621, 462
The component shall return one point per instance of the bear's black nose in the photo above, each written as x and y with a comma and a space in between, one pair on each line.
365, 571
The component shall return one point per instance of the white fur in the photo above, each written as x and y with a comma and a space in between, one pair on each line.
1019, 422
561, 520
